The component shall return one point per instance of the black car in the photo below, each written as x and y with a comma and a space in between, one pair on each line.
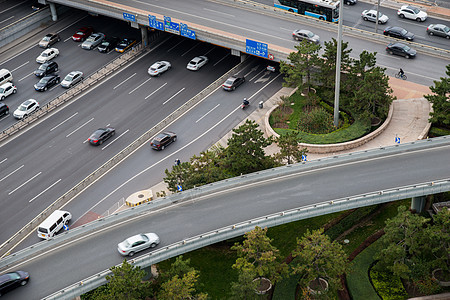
233, 82
401, 49
101, 135
162, 140
108, 44
46, 82
350, 2
4, 109
398, 32
12, 280
46, 69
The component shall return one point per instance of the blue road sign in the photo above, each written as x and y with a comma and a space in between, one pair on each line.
170, 26
152, 22
397, 140
256, 48
129, 17
303, 157
186, 32
66, 227
179, 188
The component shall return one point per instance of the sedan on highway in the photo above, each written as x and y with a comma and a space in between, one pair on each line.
162, 140
398, 32
101, 135
46, 82
197, 62
303, 34
159, 67
125, 44
138, 243
46, 69
4, 109
108, 44
401, 49
413, 13
93, 41
233, 82
47, 55
82, 34
7, 89
12, 280
72, 78
439, 30
26, 108
49, 40
371, 15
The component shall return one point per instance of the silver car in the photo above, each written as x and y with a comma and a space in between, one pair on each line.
138, 243
371, 15
303, 34
93, 41
72, 78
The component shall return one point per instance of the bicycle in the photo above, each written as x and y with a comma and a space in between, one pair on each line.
402, 76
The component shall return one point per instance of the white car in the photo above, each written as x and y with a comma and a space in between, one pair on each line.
197, 62
47, 55
413, 13
138, 243
7, 89
72, 78
26, 108
371, 15
93, 41
159, 67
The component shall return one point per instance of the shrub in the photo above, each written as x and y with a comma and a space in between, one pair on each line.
318, 120
388, 286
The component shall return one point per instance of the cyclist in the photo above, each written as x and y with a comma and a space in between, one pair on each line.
401, 73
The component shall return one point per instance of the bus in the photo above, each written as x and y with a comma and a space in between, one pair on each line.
327, 10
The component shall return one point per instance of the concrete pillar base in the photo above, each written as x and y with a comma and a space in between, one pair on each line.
144, 35
53, 11
418, 203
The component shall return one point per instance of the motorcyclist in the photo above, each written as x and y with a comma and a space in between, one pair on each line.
245, 102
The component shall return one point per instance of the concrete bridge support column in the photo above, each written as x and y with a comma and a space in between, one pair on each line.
53, 11
418, 203
144, 35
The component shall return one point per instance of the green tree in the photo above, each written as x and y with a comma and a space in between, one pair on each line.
178, 268
246, 286
317, 256
289, 150
438, 240
245, 151
180, 288
440, 100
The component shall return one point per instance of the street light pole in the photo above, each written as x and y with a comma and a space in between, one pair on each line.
338, 67
378, 15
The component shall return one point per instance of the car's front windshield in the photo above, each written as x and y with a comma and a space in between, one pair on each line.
22, 108
43, 81
68, 77
42, 67
2, 90
46, 38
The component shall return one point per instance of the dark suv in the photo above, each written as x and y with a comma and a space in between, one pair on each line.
46, 69
12, 280
4, 110
162, 140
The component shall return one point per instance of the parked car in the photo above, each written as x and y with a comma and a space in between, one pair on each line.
12, 280
398, 32
439, 30
101, 135
82, 34
46, 82
233, 82
46, 69
162, 140
47, 55
412, 12
26, 108
71, 79
125, 44
371, 15
7, 89
401, 49
197, 62
159, 67
93, 41
138, 243
108, 44
49, 40
303, 34
4, 109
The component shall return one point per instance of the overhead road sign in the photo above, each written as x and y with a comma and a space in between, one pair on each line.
256, 48
186, 32
129, 17
170, 26
153, 23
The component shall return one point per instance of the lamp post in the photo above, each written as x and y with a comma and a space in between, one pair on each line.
338, 67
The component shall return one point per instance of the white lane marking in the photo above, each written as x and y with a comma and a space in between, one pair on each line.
210, 50
54, 87
3, 160
221, 59
124, 81
44, 190
190, 49
139, 86
20, 66
218, 12
175, 45
6, 19
69, 38
396, 70
13, 6
25, 77
79, 128
263, 70
64, 121
286, 29
109, 144
25, 183
208, 112
11, 172
155, 91
173, 96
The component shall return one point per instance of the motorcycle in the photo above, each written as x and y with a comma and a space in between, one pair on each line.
245, 104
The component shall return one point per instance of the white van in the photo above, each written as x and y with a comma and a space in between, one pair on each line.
5, 76
53, 224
